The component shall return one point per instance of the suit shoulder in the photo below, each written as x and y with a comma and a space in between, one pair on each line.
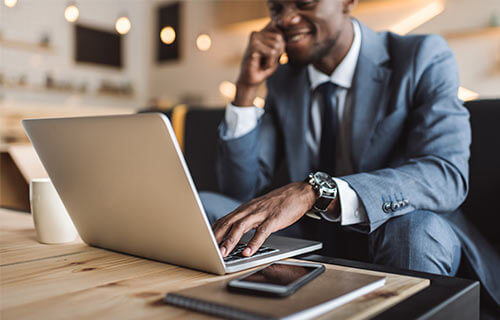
414, 40
417, 52
418, 45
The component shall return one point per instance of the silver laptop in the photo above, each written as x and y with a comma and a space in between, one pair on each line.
126, 186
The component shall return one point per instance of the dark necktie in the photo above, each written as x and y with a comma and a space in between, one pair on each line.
328, 128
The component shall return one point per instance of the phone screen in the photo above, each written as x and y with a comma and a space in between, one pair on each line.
279, 274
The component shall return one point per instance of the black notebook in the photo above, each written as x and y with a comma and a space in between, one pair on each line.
331, 289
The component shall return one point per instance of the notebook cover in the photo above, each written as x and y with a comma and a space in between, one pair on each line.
324, 293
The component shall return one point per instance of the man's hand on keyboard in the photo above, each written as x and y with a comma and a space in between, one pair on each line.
269, 213
236, 254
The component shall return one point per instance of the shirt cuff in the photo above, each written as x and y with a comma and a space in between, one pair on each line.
352, 210
240, 120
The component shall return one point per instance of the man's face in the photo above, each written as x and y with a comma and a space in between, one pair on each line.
310, 27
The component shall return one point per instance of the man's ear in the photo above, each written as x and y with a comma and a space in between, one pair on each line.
348, 6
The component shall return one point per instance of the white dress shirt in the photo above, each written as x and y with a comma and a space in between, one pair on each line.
239, 121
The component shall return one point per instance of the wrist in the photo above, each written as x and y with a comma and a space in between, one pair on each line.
245, 95
310, 195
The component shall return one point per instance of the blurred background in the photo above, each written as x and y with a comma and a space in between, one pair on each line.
60, 57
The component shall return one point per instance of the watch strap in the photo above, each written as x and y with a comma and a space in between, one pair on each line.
322, 204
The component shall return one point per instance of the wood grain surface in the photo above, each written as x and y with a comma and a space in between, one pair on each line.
75, 281
18, 241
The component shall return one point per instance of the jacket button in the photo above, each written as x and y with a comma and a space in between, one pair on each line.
386, 207
402, 204
395, 205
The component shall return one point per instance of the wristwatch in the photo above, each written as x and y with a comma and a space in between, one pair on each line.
326, 190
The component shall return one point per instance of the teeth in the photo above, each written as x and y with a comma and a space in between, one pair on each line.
297, 37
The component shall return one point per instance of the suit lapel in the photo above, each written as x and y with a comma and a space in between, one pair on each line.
369, 101
295, 104
370, 94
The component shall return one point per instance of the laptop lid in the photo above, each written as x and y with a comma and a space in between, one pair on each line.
126, 186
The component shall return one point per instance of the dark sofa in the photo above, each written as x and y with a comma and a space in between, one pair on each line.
484, 178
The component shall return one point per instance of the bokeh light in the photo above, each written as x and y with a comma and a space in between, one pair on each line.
167, 35
123, 25
71, 13
10, 3
259, 102
227, 90
203, 42
284, 58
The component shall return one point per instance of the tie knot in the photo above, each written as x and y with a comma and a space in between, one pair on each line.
326, 88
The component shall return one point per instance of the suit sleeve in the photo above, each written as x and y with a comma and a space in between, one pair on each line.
433, 174
245, 165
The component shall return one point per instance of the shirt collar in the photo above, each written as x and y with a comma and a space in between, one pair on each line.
343, 74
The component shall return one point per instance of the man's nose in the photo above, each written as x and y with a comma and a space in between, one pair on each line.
288, 17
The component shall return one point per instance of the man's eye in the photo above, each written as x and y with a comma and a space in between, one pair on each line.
305, 5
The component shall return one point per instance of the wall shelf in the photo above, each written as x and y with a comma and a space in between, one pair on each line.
26, 46
474, 33
62, 91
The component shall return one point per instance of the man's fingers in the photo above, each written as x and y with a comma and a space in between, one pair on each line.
228, 245
237, 231
272, 27
274, 42
267, 57
261, 58
267, 50
261, 234
272, 38
278, 47
224, 224
221, 227
268, 47
275, 50
233, 238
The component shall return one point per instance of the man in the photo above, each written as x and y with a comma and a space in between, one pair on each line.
377, 113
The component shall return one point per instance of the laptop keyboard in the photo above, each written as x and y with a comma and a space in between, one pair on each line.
236, 256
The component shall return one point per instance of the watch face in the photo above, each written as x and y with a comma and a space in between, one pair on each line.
324, 180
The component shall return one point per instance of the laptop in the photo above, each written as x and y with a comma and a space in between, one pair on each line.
127, 188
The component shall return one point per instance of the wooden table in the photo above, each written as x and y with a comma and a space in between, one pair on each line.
77, 281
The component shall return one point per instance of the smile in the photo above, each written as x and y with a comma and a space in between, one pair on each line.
297, 36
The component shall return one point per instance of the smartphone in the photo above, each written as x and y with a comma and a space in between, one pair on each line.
279, 279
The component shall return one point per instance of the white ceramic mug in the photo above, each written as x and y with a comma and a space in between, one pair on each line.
52, 222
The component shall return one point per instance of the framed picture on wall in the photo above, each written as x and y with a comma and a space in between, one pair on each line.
97, 46
168, 33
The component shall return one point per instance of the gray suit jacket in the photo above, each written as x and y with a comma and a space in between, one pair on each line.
410, 136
